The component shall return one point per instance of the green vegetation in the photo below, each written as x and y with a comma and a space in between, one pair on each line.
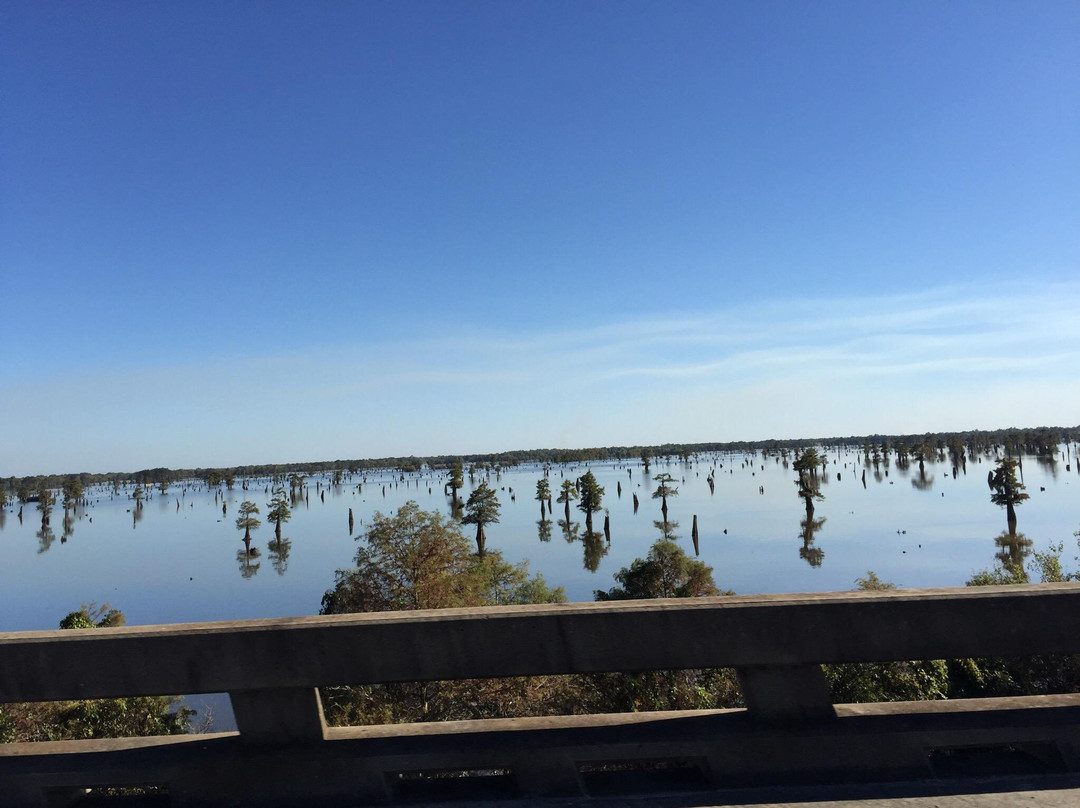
481, 509
543, 493
277, 511
246, 521
419, 560
93, 718
918, 680
590, 497
667, 573
965, 678
1008, 492
73, 492
809, 488
567, 493
46, 498
456, 479
664, 489
1050, 673
871, 583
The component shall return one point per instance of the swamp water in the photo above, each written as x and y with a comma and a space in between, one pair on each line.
180, 559
187, 564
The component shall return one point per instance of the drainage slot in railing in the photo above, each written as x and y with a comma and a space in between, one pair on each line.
126, 796
614, 777
431, 785
997, 760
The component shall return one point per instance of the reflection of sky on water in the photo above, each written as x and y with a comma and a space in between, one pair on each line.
164, 564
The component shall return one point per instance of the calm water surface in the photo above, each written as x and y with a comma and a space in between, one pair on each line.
179, 564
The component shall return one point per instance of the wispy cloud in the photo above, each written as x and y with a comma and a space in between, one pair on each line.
953, 329
934, 360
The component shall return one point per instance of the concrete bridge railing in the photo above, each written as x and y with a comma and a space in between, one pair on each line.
284, 754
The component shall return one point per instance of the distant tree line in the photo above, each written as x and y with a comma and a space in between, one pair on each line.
1041, 441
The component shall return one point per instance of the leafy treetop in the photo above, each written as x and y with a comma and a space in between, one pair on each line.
246, 521
590, 492
1007, 490
416, 559
667, 573
664, 487
483, 506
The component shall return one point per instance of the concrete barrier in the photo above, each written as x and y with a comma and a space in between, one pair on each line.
284, 754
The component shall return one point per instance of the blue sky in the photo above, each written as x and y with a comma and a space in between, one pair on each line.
238, 233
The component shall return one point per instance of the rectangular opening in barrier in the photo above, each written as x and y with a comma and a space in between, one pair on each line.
531, 696
431, 785
616, 777
87, 719
128, 796
996, 760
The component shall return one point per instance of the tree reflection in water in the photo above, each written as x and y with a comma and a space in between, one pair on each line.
46, 537
244, 558
808, 552
569, 530
667, 529
279, 554
1013, 550
593, 546
595, 549
922, 482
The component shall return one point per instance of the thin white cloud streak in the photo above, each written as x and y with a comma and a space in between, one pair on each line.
787, 368
911, 334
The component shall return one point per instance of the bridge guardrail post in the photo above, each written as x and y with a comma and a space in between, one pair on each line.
786, 694
279, 715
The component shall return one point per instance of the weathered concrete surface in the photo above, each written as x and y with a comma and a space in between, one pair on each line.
544, 757
284, 755
741, 631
